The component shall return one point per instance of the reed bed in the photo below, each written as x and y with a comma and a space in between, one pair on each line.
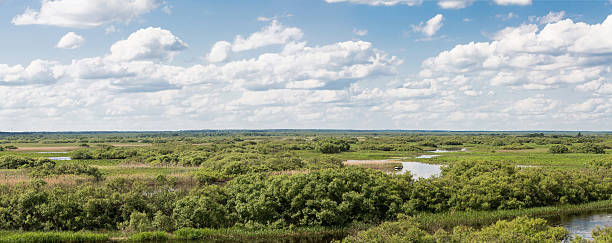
432, 222
53, 237
314, 234
149, 236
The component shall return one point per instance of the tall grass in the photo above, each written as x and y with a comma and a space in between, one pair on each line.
432, 222
150, 236
262, 235
54, 237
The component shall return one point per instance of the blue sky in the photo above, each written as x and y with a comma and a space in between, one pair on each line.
361, 64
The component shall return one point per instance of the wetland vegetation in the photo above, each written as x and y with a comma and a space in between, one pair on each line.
301, 185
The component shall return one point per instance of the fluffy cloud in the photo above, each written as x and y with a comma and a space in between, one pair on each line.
513, 2
273, 34
148, 44
297, 83
533, 106
299, 66
455, 4
85, 14
380, 2
340, 84
528, 57
431, 27
220, 51
37, 72
593, 105
70, 41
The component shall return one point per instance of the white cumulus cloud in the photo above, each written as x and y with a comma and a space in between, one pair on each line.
455, 4
380, 2
220, 51
148, 44
533, 105
85, 14
513, 2
70, 41
273, 34
430, 27
530, 57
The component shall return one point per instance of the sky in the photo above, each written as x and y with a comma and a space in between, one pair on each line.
132, 65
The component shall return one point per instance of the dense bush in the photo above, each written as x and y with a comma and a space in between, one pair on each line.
204, 207
49, 169
325, 197
558, 149
332, 146
590, 148
15, 162
469, 185
520, 229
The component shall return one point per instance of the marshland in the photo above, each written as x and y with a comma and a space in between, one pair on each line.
305, 186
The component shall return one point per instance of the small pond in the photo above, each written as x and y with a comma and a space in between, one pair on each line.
51, 152
427, 156
60, 158
420, 170
582, 225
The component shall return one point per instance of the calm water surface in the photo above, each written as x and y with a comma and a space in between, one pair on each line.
582, 225
427, 156
420, 170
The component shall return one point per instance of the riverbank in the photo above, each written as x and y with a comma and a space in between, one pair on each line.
429, 222
433, 222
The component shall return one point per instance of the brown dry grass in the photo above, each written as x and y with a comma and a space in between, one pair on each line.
370, 162
132, 145
16, 177
521, 150
46, 149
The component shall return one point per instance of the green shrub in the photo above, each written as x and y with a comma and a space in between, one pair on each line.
558, 149
601, 234
590, 148
82, 154
333, 146
53, 237
208, 176
49, 169
139, 222
15, 162
204, 207
163, 222
603, 163
521, 229
149, 236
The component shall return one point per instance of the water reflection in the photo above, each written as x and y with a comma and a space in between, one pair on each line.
420, 170
427, 156
60, 158
582, 225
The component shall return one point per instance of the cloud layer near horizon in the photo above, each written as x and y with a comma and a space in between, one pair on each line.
288, 83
